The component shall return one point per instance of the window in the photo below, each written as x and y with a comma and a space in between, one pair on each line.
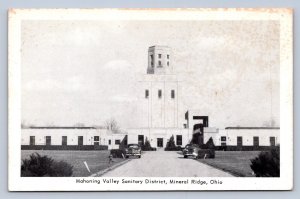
255, 141
151, 60
141, 140
168, 64
223, 140
159, 55
48, 140
179, 140
117, 142
96, 140
272, 141
146, 93
159, 93
159, 63
168, 56
64, 140
32, 140
239, 141
109, 142
172, 94
80, 140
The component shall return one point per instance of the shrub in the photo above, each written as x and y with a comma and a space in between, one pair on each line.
42, 166
267, 164
171, 145
117, 153
209, 144
147, 146
206, 153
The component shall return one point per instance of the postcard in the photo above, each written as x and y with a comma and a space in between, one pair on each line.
150, 99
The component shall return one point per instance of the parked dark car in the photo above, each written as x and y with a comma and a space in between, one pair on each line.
190, 150
133, 150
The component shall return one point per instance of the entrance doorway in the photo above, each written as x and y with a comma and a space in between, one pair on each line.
160, 142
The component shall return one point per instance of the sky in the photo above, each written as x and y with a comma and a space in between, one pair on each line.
86, 72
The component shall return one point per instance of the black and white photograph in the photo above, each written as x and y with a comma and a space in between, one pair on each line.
150, 99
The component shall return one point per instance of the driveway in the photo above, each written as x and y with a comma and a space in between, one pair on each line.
165, 164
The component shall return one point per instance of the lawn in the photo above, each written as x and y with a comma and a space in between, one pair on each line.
96, 160
234, 162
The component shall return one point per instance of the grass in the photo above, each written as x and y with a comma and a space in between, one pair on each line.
96, 160
234, 162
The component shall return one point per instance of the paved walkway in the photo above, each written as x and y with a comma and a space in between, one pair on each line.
165, 164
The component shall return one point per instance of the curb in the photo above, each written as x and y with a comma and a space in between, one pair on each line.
100, 173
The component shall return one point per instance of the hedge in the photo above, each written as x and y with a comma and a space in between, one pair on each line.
64, 147
176, 148
243, 148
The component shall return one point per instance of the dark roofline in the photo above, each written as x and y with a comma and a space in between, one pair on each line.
59, 127
252, 128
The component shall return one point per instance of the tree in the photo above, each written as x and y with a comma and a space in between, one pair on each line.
147, 145
209, 144
112, 125
171, 143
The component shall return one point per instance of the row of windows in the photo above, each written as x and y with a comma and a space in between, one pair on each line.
159, 61
240, 141
65, 140
159, 94
159, 56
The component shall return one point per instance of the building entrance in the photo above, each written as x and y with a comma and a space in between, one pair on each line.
160, 142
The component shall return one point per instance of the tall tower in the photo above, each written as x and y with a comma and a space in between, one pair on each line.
160, 90
159, 60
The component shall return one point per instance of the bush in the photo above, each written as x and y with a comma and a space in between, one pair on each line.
267, 164
206, 153
209, 144
43, 166
171, 145
117, 153
147, 146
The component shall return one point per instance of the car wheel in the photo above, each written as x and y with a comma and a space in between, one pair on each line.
185, 156
127, 156
139, 156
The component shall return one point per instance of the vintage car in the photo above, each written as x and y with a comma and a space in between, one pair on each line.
190, 150
133, 150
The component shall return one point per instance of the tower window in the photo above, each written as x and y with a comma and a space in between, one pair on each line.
168, 63
168, 56
172, 94
159, 93
151, 60
147, 93
159, 55
159, 63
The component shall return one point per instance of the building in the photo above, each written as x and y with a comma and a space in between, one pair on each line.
158, 110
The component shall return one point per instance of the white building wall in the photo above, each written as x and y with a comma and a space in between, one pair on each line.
72, 136
246, 134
